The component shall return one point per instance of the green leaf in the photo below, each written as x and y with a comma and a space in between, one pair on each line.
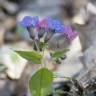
32, 56
14, 57
40, 82
58, 54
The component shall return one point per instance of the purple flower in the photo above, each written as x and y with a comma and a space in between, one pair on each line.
69, 33
42, 25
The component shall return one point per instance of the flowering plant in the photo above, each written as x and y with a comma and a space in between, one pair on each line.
42, 33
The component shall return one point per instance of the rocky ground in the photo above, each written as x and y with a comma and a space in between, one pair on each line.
80, 59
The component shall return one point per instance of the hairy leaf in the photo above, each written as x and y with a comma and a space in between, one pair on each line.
32, 56
40, 82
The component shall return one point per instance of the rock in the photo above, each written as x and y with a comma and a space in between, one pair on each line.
6, 87
2, 32
82, 17
10, 7
15, 64
91, 8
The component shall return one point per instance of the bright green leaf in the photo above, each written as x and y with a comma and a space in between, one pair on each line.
14, 57
40, 82
32, 56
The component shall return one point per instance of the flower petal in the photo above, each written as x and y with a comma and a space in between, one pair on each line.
43, 25
50, 23
26, 22
70, 34
29, 21
58, 26
35, 21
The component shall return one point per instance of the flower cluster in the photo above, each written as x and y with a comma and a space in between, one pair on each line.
46, 27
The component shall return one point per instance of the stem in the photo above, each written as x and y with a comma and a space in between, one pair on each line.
43, 64
31, 33
36, 45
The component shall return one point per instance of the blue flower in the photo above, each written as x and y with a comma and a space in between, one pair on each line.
35, 21
58, 27
50, 23
55, 25
26, 22
29, 21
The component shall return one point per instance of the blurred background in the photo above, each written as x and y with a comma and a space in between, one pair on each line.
80, 61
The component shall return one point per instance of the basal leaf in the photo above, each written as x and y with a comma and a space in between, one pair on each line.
40, 82
32, 56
